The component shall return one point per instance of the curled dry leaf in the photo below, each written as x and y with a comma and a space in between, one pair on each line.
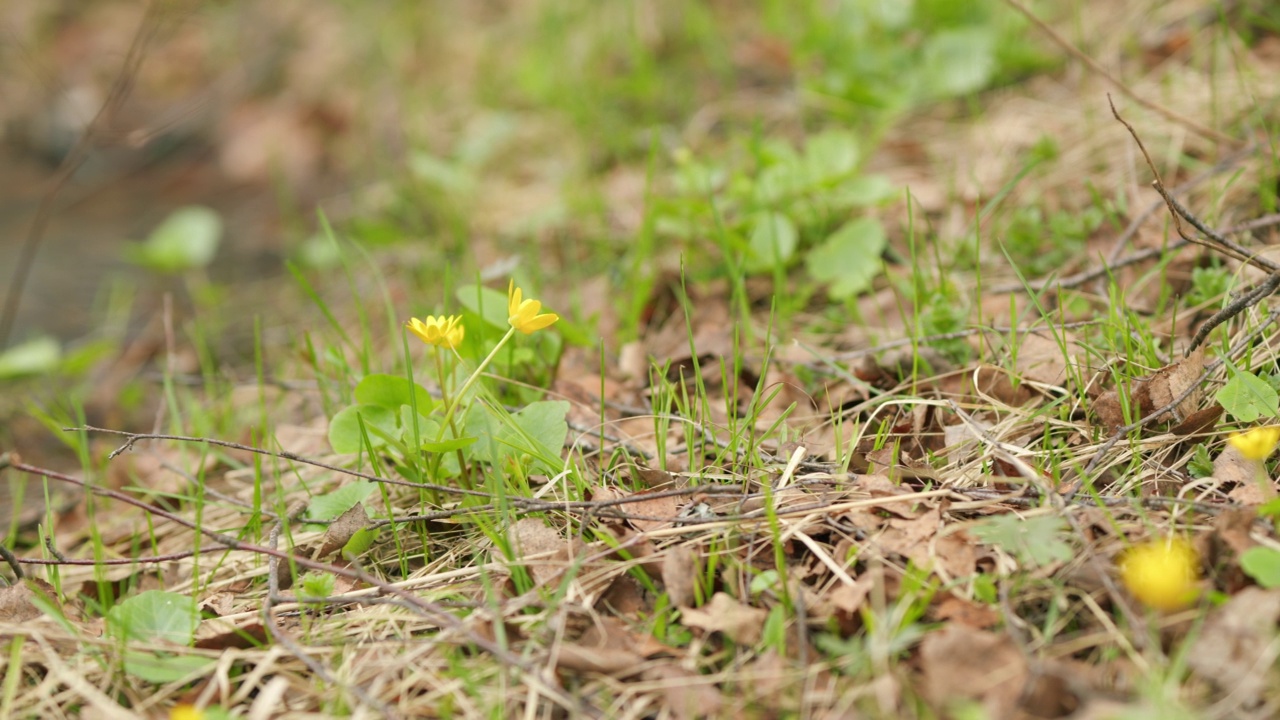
1043, 361
966, 612
680, 574
252, 635
740, 623
17, 601
606, 661
993, 381
548, 552
341, 530
1233, 468
651, 512
1157, 391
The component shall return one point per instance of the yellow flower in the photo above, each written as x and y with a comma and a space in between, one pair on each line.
1161, 574
523, 314
186, 712
1256, 444
444, 331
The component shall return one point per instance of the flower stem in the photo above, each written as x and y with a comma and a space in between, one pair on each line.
475, 375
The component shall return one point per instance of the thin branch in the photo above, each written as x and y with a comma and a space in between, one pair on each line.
280, 637
1097, 67
152, 20
1209, 368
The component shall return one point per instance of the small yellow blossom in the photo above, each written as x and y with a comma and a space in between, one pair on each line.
1256, 444
443, 331
523, 314
185, 711
1161, 574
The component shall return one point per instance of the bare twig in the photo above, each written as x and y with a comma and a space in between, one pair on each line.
12, 560
1057, 501
1220, 243
1158, 412
152, 20
1097, 67
279, 636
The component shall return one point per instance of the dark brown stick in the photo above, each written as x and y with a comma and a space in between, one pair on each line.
152, 20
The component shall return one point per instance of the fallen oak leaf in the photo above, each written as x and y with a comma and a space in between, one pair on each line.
605, 661
1155, 392
343, 528
17, 602
961, 663
740, 623
688, 694
1235, 650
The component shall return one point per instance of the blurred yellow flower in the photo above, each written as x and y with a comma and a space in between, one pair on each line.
443, 331
185, 711
1161, 574
1256, 444
523, 314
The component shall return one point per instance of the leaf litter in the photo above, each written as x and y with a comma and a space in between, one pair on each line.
841, 536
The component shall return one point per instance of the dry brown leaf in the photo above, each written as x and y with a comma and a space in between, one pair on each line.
1157, 391
960, 663
666, 506
966, 612
548, 551
740, 623
1250, 495
1109, 410
688, 695
1041, 360
253, 635
343, 528
955, 554
1233, 527
1199, 421
910, 537
1234, 649
651, 478
995, 382
16, 601
1170, 381
218, 603
1230, 467
680, 575
606, 661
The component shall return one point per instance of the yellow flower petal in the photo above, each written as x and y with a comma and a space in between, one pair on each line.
1256, 444
186, 711
523, 315
1161, 574
442, 331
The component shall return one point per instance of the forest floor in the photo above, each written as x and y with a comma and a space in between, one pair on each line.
824, 360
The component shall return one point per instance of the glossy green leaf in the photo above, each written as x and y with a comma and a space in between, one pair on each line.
850, 259
773, 241
186, 240
491, 305
1262, 564
33, 357
154, 615
1248, 397
344, 429
392, 391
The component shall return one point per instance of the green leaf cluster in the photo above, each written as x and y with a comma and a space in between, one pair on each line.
1248, 397
156, 616
793, 207
1034, 541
